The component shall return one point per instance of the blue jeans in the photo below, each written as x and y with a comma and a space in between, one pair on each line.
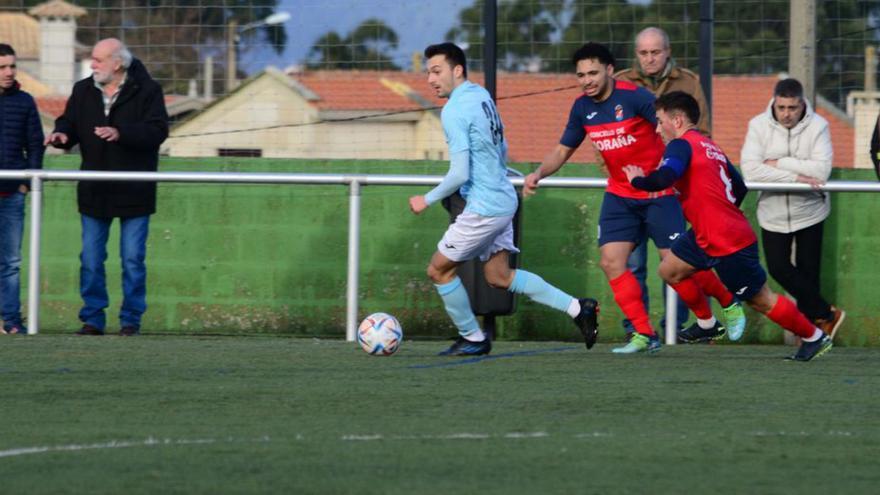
92, 278
11, 232
638, 265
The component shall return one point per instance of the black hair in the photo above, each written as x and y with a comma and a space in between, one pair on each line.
679, 101
593, 51
789, 88
6, 50
454, 55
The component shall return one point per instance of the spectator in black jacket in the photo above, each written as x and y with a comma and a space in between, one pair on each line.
21, 147
118, 118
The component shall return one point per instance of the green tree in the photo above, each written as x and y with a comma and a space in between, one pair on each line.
527, 32
750, 37
368, 46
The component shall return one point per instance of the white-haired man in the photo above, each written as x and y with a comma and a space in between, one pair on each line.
118, 118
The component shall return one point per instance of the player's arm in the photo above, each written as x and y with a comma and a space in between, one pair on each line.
737, 184
676, 159
573, 136
549, 166
459, 164
459, 173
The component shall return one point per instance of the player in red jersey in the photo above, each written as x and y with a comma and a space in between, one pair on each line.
710, 191
619, 119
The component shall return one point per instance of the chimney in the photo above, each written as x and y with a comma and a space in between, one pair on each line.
57, 40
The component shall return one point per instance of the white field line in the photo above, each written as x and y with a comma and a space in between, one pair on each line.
517, 435
122, 444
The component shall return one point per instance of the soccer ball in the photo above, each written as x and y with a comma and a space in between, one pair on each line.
380, 334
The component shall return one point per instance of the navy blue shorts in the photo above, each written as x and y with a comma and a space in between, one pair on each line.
628, 220
741, 272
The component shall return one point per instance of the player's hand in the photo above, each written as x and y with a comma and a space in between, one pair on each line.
418, 204
107, 133
812, 181
530, 183
633, 171
771, 163
55, 138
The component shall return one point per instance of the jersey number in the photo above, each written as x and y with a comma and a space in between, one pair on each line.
728, 184
494, 122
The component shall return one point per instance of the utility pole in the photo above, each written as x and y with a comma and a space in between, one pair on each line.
707, 53
231, 41
802, 45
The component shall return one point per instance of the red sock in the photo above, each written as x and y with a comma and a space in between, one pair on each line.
712, 286
628, 295
692, 295
787, 316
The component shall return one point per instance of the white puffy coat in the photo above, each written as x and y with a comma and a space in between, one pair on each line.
803, 150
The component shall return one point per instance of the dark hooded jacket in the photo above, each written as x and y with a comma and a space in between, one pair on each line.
140, 117
21, 135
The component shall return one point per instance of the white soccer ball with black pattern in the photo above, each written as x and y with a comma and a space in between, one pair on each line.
380, 334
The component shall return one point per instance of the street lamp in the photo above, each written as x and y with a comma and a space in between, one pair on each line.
233, 36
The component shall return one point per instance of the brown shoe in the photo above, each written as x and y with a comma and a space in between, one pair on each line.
89, 330
830, 326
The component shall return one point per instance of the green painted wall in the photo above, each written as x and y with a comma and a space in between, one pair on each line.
272, 259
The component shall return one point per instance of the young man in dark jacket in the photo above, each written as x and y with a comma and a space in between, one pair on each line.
21, 147
118, 118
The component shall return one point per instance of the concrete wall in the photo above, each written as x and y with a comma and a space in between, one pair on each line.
261, 259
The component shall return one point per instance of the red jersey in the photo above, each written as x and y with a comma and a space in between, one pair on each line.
623, 129
706, 194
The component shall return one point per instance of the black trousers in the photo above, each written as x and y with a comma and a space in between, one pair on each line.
800, 279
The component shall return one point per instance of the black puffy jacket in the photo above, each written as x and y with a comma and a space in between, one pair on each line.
21, 135
140, 117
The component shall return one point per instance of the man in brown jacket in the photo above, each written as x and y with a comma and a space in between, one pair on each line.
656, 71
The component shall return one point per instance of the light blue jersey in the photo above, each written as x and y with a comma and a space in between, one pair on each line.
471, 123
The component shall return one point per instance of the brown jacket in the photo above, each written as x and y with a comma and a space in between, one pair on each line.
678, 80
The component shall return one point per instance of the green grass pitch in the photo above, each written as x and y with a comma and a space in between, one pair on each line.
171, 414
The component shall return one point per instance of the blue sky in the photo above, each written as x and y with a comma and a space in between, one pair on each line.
418, 23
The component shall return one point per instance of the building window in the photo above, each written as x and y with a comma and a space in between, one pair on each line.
240, 152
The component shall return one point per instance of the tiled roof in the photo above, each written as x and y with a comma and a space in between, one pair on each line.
57, 8
535, 107
22, 32
363, 90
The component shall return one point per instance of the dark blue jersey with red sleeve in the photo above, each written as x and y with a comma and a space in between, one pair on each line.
622, 128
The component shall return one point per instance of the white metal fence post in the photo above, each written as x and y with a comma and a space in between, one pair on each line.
36, 195
354, 235
671, 315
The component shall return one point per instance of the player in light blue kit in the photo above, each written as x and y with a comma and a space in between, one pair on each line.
477, 154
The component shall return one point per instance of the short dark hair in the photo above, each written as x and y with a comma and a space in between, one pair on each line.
454, 55
593, 51
6, 50
679, 101
789, 88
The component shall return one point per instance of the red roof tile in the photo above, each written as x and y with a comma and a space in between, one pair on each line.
535, 107
362, 90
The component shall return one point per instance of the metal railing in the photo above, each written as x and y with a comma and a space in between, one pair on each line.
353, 181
